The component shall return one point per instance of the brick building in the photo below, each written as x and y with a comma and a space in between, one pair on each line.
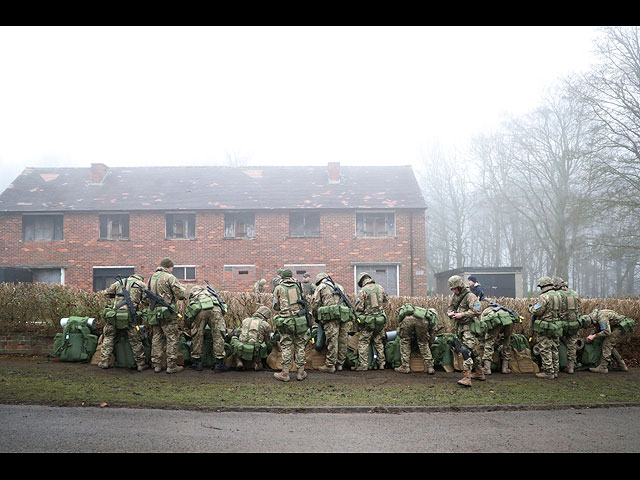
229, 225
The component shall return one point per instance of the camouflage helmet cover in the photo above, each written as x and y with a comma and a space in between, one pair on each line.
545, 282
361, 278
455, 281
320, 277
264, 311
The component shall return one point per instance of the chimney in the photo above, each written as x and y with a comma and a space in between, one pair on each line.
334, 172
98, 172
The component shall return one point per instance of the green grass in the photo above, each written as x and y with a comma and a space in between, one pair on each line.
37, 381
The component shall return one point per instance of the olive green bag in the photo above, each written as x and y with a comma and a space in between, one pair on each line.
119, 318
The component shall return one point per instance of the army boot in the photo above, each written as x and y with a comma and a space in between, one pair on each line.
478, 374
570, 368
175, 369
429, 369
547, 375
487, 367
197, 365
602, 368
142, 367
301, 374
403, 369
465, 381
505, 366
158, 369
102, 364
220, 366
283, 375
621, 366
327, 369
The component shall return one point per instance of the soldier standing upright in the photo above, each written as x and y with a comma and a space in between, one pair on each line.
290, 326
325, 306
464, 308
548, 325
371, 299
569, 313
164, 319
121, 316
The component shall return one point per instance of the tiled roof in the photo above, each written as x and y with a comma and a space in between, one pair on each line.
211, 187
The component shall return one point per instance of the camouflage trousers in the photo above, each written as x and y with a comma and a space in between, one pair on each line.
109, 339
571, 342
609, 345
471, 342
420, 328
164, 340
215, 320
299, 342
365, 337
337, 333
491, 339
549, 353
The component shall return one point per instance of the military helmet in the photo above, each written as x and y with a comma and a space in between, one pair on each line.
361, 278
320, 277
286, 273
166, 263
545, 282
195, 290
558, 282
264, 311
262, 281
455, 281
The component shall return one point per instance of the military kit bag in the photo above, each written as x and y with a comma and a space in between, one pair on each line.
404, 311
498, 318
244, 350
374, 322
627, 325
119, 318
570, 327
157, 316
197, 305
293, 325
548, 329
392, 352
334, 312
76, 343
478, 328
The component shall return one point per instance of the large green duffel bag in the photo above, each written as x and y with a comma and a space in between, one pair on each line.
591, 354
123, 353
76, 343
441, 349
392, 353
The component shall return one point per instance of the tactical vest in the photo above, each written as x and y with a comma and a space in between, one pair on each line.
569, 312
550, 325
118, 314
246, 346
293, 295
160, 313
374, 318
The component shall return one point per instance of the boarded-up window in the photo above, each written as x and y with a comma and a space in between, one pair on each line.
239, 225
304, 224
42, 228
375, 225
114, 226
180, 225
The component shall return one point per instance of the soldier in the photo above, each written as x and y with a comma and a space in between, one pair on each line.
325, 307
258, 287
285, 298
607, 322
307, 287
570, 308
422, 329
125, 309
212, 316
492, 337
275, 281
465, 308
254, 336
371, 299
165, 331
547, 324
475, 287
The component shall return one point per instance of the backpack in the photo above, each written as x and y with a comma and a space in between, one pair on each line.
498, 318
124, 354
392, 352
76, 343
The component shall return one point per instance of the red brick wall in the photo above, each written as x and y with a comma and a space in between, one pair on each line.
271, 248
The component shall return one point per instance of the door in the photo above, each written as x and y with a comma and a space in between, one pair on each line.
385, 275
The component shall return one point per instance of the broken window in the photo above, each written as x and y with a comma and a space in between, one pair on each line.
375, 225
304, 224
239, 225
42, 228
180, 225
114, 226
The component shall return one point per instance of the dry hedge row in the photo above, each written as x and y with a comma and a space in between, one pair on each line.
39, 307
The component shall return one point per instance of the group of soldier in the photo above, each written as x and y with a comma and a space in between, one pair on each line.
296, 304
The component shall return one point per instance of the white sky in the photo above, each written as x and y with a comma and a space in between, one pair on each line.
138, 96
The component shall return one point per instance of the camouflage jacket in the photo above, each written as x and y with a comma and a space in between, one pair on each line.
285, 298
604, 320
136, 294
371, 298
163, 283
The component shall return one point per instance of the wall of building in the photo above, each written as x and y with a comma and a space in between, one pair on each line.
271, 248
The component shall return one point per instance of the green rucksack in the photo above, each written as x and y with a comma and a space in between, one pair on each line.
627, 325
441, 349
124, 354
76, 343
392, 352
591, 353
519, 342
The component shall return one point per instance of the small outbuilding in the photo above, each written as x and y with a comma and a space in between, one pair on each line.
496, 281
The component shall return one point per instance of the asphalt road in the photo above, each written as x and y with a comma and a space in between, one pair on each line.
93, 430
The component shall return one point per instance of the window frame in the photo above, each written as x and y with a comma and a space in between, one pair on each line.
189, 227
230, 217
29, 228
109, 225
184, 272
305, 232
360, 232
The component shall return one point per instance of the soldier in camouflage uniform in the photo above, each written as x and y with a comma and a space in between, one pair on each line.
570, 308
285, 297
212, 317
607, 321
421, 328
548, 309
166, 333
498, 334
336, 330
258, 287
110, 330
464, 308
371, 298
255, 330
